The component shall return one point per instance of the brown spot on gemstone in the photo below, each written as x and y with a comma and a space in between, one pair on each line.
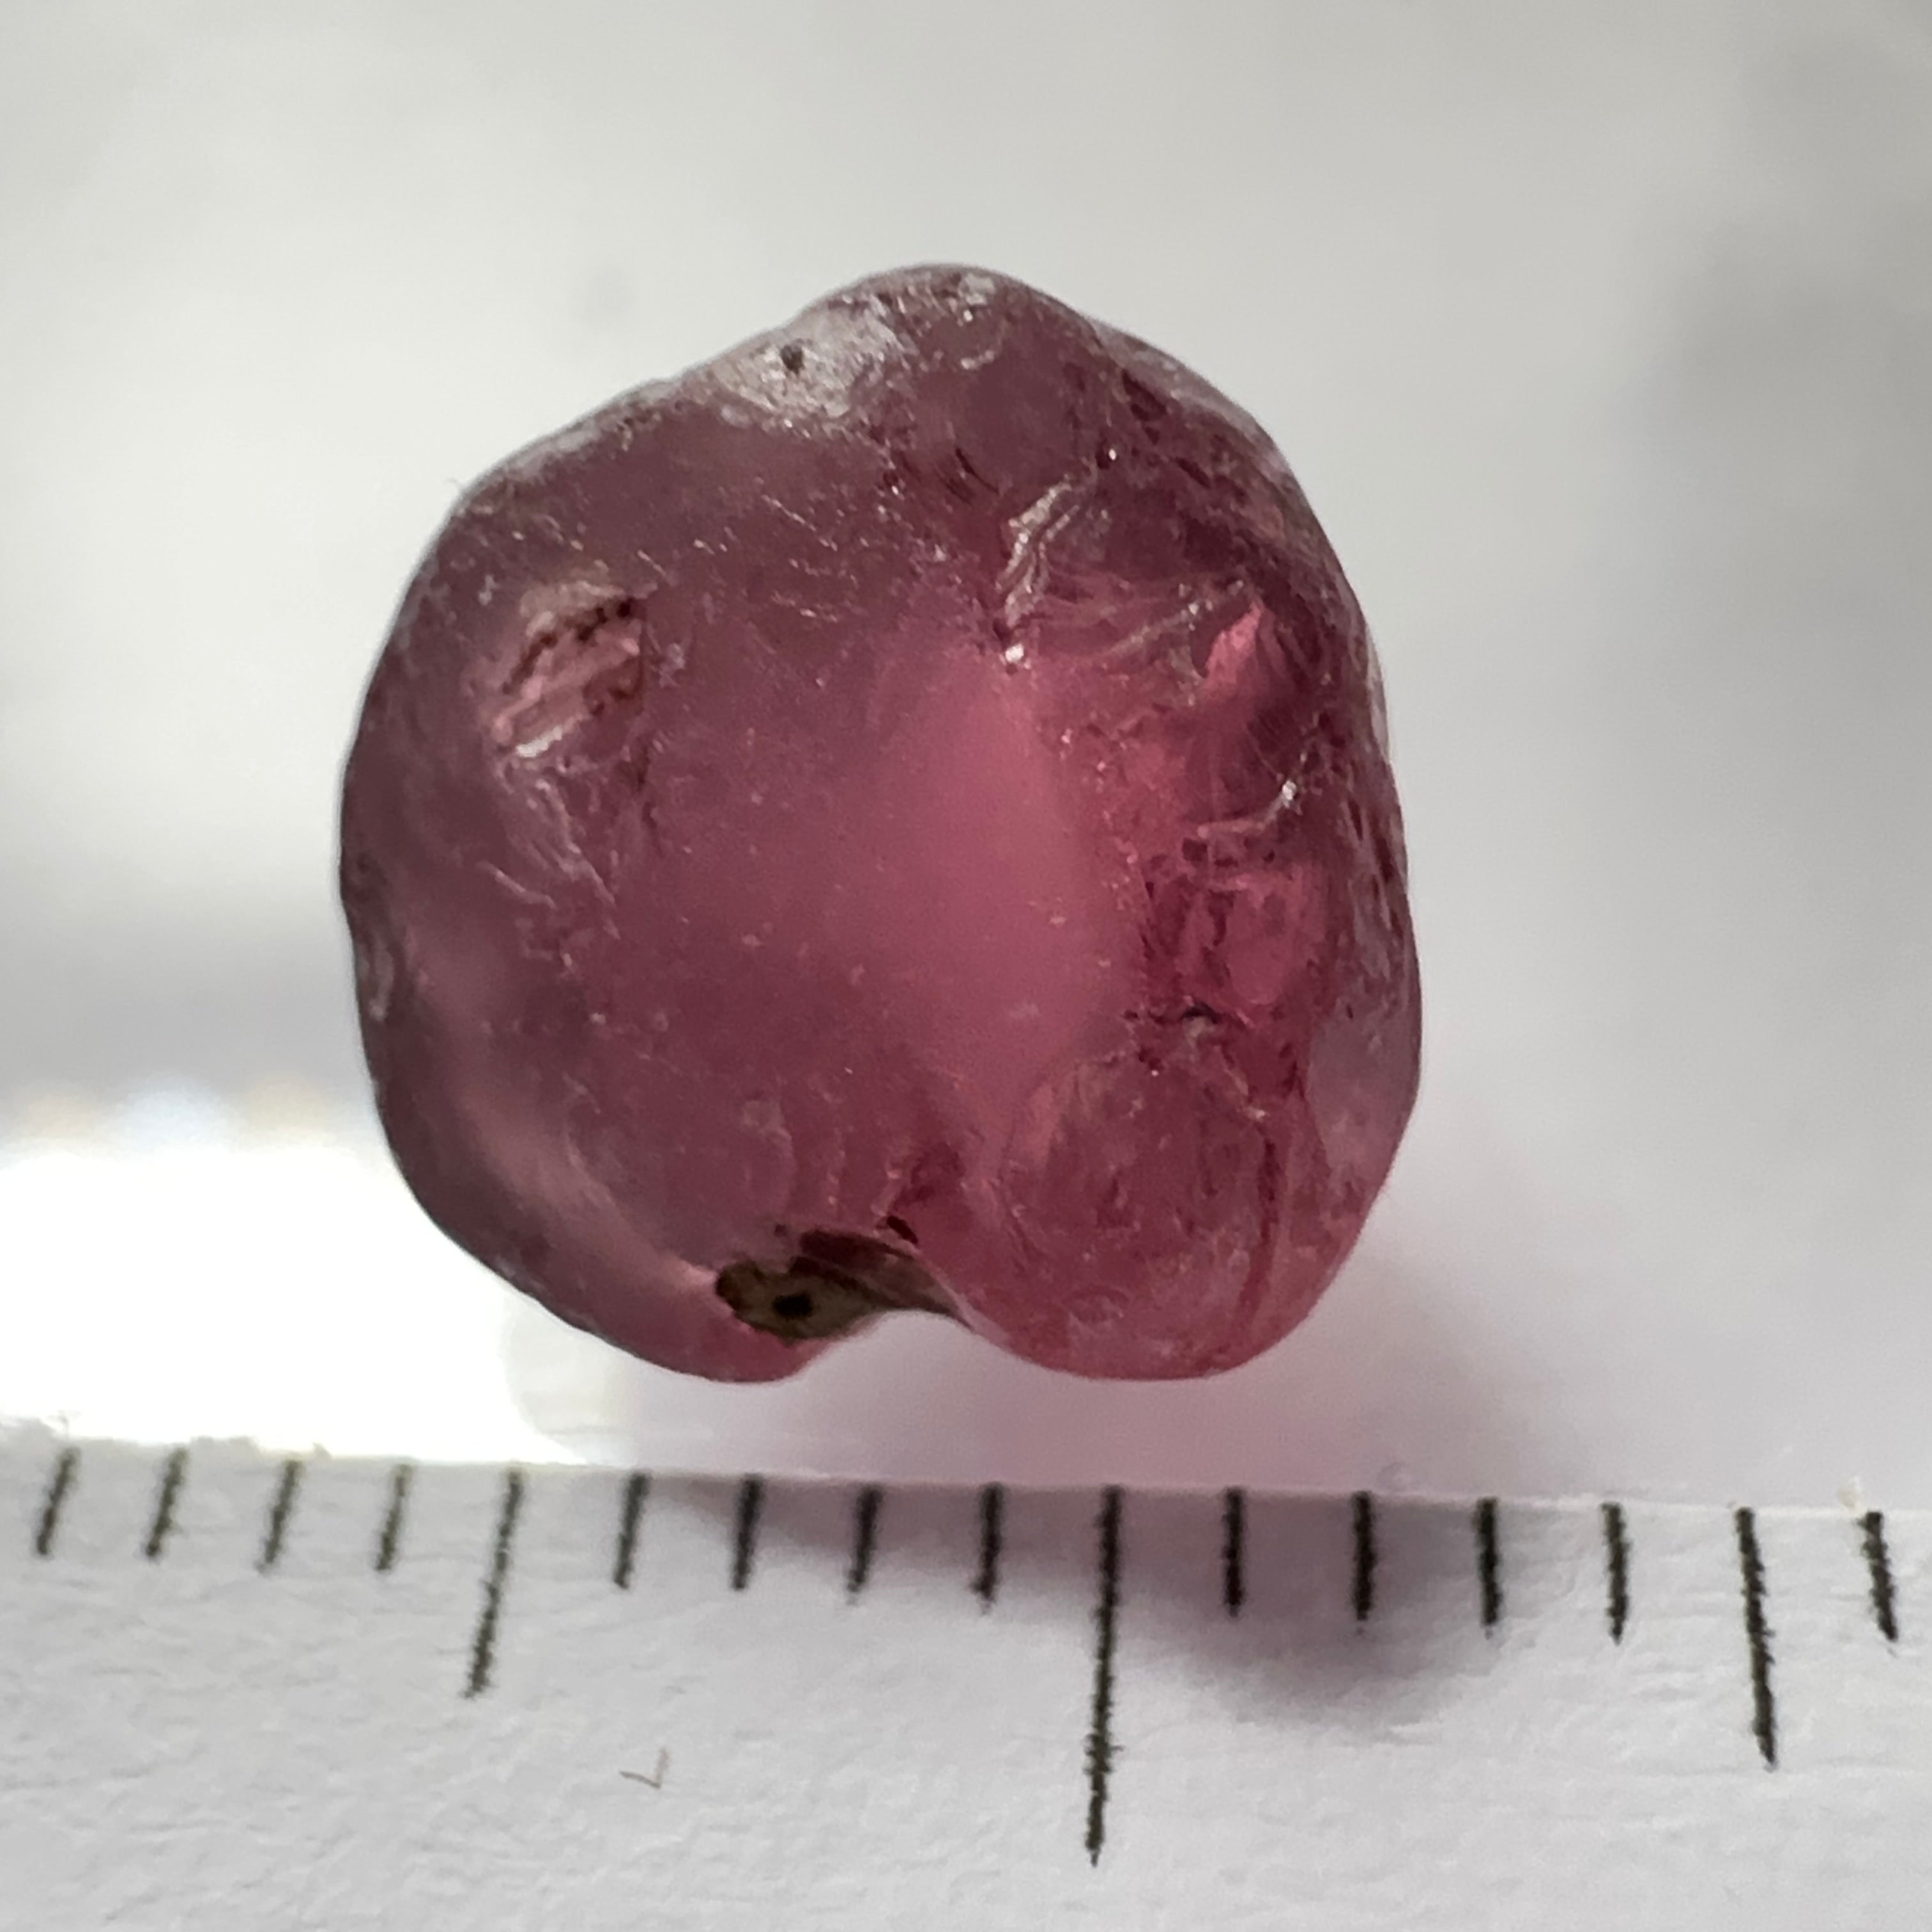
833, 1283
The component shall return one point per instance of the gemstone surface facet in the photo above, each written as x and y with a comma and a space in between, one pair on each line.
898, 817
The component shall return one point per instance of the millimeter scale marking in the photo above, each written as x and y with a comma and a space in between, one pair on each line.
1127, 1537
1616, 1557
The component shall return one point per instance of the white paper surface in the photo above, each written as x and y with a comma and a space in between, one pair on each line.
191, 1738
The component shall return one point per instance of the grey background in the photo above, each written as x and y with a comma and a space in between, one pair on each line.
1601, 338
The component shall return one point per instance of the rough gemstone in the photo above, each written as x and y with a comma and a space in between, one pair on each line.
897, 818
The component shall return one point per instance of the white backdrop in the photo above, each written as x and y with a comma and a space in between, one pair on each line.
1601, 339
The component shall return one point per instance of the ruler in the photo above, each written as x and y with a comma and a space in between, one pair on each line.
241, 1690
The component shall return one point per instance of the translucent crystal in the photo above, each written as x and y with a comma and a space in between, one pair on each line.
897, 818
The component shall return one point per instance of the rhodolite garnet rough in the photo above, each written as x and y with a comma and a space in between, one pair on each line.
898, 817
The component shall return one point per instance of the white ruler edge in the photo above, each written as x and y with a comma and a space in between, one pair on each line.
248, 1689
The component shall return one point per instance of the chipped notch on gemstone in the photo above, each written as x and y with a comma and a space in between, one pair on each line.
583, 651
833, 1283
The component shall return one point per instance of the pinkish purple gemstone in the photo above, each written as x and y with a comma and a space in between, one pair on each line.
897, 816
